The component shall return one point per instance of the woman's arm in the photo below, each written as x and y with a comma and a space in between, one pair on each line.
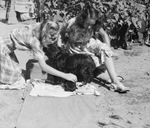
39, 55
55, 72
105, 36
71, 22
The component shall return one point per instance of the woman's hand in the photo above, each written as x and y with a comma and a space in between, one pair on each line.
71, 77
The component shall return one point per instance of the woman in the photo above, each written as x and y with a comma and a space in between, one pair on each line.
32, 37
77, 36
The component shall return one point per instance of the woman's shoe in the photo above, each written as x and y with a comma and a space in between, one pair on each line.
118, 89
147, 44
120, 78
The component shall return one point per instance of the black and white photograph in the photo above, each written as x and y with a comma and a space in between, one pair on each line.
75, 63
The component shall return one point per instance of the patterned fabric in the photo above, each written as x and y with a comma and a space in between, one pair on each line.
9, 69
24, 40
98, 48
21, 39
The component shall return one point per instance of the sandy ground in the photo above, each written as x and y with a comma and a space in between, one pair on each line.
130, 110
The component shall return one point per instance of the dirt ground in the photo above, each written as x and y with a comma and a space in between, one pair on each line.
130, 110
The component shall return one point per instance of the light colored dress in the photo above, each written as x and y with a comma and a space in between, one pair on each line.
21, 39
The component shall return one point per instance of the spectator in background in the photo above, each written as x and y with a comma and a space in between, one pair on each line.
141, 28
38, 10
31, 9
0, 3
147, 42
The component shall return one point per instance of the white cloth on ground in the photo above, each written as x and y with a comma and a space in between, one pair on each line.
44, 89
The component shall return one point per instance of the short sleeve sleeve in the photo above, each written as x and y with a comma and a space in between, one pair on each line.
36, 48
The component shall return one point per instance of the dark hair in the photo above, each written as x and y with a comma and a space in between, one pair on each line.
97, 25
87, 11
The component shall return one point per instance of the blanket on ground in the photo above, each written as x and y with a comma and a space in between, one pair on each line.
52, 112
77, 111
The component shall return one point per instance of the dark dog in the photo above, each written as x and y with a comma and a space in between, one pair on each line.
81, 65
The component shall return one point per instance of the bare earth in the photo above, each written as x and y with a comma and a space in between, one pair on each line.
130, 110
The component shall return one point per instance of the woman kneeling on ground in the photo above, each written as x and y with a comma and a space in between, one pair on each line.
34, 38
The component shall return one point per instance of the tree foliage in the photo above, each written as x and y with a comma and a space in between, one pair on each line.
109, 10
69, 7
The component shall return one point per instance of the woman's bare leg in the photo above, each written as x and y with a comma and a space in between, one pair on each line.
113, 76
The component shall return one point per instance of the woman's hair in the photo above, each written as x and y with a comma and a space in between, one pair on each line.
98, 25
88, 11
44, 30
